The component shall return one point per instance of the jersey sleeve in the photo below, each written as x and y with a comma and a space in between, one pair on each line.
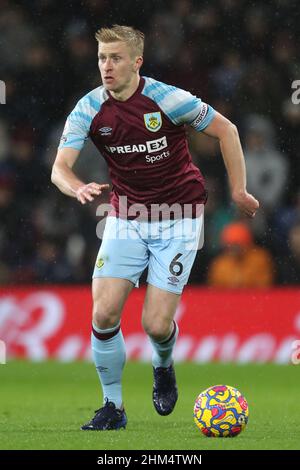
78, 123
179, 105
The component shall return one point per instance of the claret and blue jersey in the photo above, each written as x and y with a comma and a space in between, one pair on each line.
143, 141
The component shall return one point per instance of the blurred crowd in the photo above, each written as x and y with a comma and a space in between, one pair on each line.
237, 55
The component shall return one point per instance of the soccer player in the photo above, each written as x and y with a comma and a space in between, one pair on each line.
138, 125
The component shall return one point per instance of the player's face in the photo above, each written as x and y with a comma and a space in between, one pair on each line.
117, 66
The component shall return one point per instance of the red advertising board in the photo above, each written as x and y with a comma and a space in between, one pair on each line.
240, 326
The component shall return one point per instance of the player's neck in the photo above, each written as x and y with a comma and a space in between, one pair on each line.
127, 92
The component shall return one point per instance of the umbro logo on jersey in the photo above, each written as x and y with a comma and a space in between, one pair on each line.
105, 130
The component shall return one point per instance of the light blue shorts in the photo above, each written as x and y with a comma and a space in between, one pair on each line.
168, 248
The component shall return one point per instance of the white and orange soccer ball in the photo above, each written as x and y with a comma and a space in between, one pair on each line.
221, 411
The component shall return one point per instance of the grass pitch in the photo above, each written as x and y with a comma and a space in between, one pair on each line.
42, 406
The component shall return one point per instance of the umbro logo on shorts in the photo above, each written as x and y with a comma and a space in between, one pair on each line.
173, 280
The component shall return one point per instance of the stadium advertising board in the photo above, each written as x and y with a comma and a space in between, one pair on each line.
227, 326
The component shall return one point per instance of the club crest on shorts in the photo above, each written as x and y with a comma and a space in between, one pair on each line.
153, 121
100, 263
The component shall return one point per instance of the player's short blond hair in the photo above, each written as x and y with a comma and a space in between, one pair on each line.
132, 37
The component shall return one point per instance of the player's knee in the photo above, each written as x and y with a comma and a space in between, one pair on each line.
158, 329
104, 315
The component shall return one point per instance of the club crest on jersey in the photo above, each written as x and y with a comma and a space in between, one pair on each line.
153, 121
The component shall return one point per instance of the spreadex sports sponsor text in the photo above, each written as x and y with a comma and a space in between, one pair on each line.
150, 146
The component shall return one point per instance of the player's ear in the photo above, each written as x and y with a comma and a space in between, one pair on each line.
138, 63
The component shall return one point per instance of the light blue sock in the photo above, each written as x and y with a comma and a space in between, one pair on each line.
162, 351
108, 351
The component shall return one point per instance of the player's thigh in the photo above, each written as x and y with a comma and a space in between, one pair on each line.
109, 297
158, 311
123, 253
173, 255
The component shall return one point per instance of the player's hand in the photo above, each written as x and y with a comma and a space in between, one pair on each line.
88, 192
246, 203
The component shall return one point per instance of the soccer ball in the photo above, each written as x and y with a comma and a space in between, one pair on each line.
221, 411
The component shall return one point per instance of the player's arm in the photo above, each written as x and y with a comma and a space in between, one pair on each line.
184, 108
231, 149
67, 182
